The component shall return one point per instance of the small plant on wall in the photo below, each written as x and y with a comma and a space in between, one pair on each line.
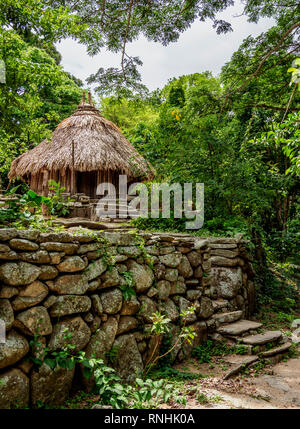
58, 201
161, 325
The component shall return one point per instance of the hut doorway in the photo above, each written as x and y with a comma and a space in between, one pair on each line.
87, 183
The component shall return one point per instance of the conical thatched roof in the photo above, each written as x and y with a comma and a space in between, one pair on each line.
98, 144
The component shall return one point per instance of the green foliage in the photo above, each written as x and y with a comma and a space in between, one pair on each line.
59, 202
145, 394
128, 288
36, 96
208, 349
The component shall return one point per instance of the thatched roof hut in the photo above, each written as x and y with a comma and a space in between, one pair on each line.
85, 149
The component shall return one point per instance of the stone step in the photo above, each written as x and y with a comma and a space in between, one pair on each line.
238, 328
239, 362
283, 348
260, 339
229, 317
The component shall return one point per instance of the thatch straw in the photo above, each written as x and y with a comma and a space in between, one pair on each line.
98, 146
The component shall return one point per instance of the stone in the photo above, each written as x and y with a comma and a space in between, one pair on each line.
142, 346
21, 244
183, 249
227, 281
240, 302
67, 248
184, 268
39, 257
49, 386
148, 307
225, 253
94, 285
48, 272
295, 324
177, 288
130, 307
110, 278
160, 271
194, 258
205, 309
192, 282
200, 335
88, 317
9, 256
55, 257
28, 234
111, 301
223, 246
14, 389
229, 317
96, 248
25, 365
101, 342
201, 244
267, 337
94, 326
244, 361
13, 350
7, 234
70, 304
152, 250
50, 301
206, 266
142, 275
130, 251
152, 292
224, 262
30, 295
169, 309
283, 348
8, 291
127, 323
193, 294
220, 304
172, 260
171, 275
71, 264
62, 237
4, 248
69, 284
128, 364
74, 326
238, 328
97, 305
33, 321
164, 288
6, 313
95, 269
185, 305
166, 250
18, 274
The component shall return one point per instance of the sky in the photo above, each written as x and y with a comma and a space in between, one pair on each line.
199, 49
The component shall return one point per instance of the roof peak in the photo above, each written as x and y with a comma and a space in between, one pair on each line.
85, 107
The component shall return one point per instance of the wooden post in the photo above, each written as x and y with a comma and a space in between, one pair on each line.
73, 174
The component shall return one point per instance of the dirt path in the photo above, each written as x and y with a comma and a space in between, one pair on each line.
273, 387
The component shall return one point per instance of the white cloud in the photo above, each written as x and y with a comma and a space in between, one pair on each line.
197, 50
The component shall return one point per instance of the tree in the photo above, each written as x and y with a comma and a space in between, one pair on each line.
36, 96
113, 24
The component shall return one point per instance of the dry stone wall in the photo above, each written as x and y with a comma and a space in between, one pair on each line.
53, 283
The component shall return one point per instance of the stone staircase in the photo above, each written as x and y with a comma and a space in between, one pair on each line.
258, 343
